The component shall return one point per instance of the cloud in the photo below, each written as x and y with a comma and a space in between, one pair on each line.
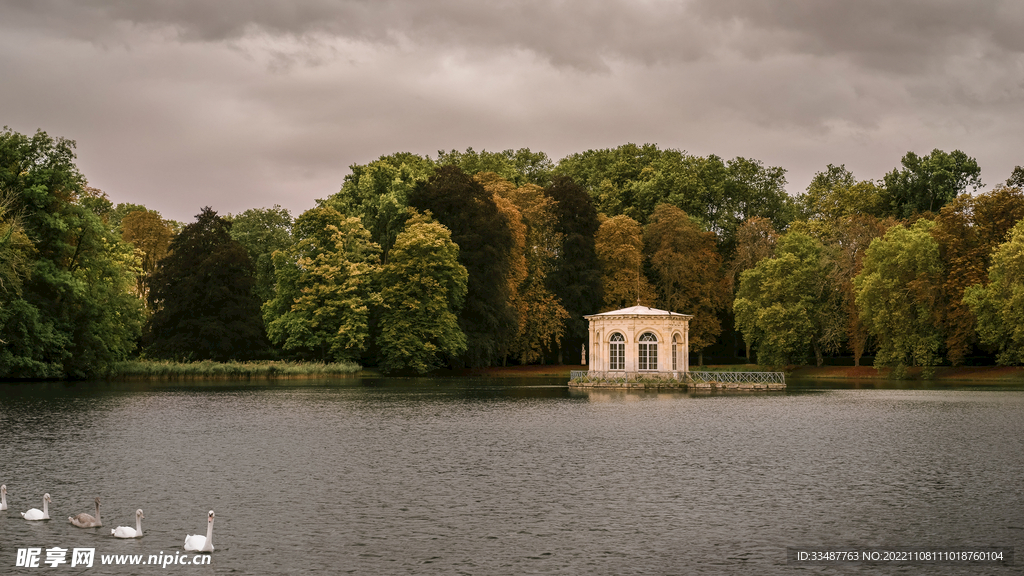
250, 103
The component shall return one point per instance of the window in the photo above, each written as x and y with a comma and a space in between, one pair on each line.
617, 356
675, 352
648, 359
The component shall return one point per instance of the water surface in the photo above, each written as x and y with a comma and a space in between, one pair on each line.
511, 477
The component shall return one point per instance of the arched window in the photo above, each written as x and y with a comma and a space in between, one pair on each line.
675, 352
648, 357
617, 353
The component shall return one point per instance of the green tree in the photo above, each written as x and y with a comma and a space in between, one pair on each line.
517, 166
1016, 178
378, 194
202, 297
575, 277
783, 306
263, 231
999, 305
633, 180
73, 314
423, 287
927, 183
898, 295
835, 194
324, 281
619, 244
485, 239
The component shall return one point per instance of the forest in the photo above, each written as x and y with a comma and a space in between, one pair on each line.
475, 259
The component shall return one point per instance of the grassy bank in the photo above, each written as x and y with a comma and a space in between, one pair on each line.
165, 370
941, 373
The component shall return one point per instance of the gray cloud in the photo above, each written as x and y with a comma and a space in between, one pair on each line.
242, 104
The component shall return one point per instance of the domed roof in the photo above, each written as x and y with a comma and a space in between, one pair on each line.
639, 311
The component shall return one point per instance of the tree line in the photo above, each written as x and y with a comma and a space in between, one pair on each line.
484, 258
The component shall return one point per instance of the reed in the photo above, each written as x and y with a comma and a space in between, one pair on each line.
168, 370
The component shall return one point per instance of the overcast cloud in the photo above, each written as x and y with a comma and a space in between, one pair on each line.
240, 104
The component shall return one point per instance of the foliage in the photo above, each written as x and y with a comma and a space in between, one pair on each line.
633, 180
541, 315
324, 282
151, 238
486, 248
1016, 178
167, 370
70, 311
263, 231
968, 230
783, 306
899, 294
688, 272
619, 244
378, 194
202, 299
755, 240
575, 277
999, 306
516, 166
927, 183
835, 194
423, 287
847, 240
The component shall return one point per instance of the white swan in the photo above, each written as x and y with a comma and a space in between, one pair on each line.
3, 496
127, 532
199, 543
36, 513
84, 520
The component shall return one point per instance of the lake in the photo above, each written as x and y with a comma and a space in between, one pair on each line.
474, 476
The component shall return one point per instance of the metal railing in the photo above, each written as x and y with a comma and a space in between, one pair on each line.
692, 377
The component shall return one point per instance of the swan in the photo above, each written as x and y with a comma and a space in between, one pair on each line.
3, 496
127, 532
198, 543
36, 513
84, 520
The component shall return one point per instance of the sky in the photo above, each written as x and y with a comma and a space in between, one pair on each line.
238, 104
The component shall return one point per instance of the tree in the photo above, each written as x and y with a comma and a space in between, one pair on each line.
263, 231
847, 241
835, 194
783, 306
422, 288
688, 272
378, 194
151, 237
202, 297
968, 230
486, 248
1016, 178
927, 183
898, 294
619, 244
999, 305
324, 281
755, 240
576, 275
541, 316
73, 314
516, 166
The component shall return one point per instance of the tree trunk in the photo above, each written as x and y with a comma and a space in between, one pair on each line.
817, 354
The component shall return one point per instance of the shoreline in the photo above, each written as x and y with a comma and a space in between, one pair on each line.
941, 373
